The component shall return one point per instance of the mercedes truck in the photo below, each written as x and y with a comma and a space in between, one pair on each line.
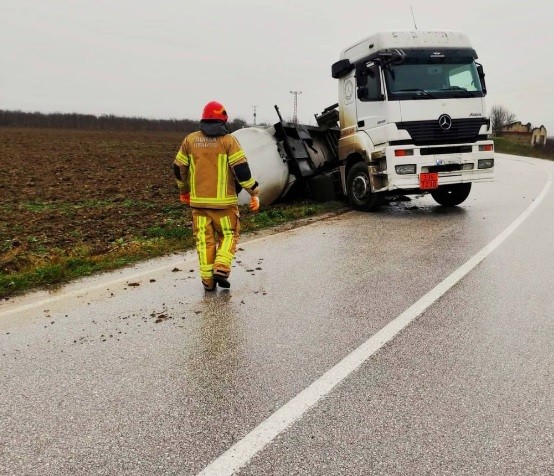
410, 119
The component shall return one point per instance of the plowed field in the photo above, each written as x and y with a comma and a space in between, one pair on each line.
65, 189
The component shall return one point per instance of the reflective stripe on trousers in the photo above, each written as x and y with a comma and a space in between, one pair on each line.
210, 225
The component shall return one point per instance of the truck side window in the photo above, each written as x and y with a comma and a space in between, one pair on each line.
369, 83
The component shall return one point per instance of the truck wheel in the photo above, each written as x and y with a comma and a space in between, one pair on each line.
358, 188
451, 195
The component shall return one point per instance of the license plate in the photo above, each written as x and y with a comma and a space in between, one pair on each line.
428, 181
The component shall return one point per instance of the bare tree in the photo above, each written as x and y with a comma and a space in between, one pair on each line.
500, 116
237, 123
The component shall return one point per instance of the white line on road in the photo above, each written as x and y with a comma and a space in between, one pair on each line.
245, 449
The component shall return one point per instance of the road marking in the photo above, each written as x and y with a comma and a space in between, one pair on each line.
245, 449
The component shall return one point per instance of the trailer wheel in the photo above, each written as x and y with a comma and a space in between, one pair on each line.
358, 189
451, 195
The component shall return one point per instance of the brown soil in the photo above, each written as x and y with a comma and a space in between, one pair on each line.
64, 189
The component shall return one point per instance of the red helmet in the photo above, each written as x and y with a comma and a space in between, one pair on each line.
214, 111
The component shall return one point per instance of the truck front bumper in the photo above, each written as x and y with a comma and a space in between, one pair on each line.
454, 164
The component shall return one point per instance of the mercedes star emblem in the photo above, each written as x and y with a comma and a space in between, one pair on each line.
445, 122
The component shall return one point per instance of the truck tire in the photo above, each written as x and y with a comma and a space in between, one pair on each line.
451, 195
358, 189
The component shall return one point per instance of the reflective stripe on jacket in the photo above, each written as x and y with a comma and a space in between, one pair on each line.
206, 164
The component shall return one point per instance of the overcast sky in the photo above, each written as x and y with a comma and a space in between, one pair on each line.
167, 58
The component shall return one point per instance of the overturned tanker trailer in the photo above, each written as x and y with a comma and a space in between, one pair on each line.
289, 155
410, 119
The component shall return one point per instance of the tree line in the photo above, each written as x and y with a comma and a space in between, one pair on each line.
104, 122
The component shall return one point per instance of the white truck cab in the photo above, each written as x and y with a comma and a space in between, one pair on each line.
412, 117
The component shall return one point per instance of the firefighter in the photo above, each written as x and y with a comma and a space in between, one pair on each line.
211, 168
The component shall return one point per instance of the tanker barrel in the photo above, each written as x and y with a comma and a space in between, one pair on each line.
266, 163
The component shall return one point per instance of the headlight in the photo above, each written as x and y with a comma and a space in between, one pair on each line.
485, 163
405, 169
467, 166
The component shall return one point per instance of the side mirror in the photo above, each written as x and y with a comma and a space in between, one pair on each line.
363, 93
369, 83
340, 68
481, 73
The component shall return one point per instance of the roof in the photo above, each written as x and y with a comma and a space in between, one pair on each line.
404, 39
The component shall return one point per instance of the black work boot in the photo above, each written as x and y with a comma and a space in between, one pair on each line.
222, 280
209, 286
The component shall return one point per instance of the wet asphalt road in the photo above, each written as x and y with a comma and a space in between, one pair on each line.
139, 372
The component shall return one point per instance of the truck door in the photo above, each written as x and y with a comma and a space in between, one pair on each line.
370, 105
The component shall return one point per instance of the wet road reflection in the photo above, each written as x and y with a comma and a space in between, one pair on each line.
217, 360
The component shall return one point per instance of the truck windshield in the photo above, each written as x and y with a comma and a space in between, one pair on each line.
429, 78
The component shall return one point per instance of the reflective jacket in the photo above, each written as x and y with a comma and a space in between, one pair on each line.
208, 165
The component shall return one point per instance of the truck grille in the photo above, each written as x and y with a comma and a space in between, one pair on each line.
429, 132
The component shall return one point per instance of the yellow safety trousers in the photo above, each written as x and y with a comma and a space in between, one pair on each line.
216, 232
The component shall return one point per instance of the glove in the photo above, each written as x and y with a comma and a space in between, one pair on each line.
184, 198
254, 203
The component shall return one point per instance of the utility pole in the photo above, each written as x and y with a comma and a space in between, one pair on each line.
254, 108
295, 115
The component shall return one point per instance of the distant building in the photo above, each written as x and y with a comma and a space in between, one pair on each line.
535, 136
539, 136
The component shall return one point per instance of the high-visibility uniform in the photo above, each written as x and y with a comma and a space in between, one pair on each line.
215, 256
208, 167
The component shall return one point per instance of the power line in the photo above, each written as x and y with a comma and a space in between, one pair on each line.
295, 114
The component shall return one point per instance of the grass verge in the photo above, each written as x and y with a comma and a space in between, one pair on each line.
504, 145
